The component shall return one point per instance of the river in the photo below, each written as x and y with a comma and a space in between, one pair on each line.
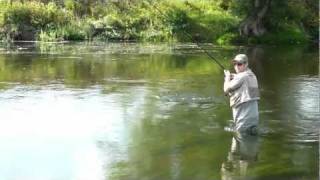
119, 111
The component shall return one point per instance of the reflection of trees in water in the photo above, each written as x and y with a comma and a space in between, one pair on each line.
280, 62
243, 153
85, 70
256, 56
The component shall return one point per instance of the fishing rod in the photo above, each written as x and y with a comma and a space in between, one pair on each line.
192, 39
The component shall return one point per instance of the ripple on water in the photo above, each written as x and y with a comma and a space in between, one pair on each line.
188, 98
292, 130
211, 128
299, 113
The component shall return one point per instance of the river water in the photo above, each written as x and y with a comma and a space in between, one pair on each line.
120, 111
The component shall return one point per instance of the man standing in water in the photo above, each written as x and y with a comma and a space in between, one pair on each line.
243, 91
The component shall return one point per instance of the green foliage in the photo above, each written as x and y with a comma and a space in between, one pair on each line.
48, 36
68, 32
205, 20
290, 21
30, 18
217, 21
35, 14
289, 36
227, 39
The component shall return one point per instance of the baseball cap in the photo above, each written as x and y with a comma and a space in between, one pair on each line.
240, 58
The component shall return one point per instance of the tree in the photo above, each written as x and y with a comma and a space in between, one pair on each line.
254, 22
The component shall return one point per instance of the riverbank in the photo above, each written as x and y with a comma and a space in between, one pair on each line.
161, 21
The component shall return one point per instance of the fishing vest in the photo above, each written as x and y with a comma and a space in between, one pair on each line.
242, 88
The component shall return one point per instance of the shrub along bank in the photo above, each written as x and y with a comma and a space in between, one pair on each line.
207, 21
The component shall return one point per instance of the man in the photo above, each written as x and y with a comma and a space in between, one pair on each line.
243, 91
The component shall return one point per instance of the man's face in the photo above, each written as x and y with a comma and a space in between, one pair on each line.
239, 67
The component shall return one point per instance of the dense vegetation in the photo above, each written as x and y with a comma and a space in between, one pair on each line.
215, 21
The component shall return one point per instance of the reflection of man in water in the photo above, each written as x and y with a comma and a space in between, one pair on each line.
243, 91
244, 152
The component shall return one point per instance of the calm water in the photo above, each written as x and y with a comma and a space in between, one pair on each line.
152, 112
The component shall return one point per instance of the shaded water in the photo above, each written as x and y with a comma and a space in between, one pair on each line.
152, 111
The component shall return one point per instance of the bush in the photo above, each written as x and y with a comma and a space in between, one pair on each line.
201, 20
68, 32
165, 20
19, 18
227, 39
289, 36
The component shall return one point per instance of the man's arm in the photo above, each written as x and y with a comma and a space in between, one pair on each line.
231, 84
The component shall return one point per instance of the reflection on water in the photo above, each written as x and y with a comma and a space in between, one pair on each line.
304, 91
43, 128
152, 111
243, 153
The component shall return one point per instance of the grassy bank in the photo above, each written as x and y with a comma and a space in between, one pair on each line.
159, 21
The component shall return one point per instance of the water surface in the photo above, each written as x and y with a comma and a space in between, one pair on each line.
152, 111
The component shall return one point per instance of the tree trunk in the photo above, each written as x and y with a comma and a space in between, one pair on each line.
253, 24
